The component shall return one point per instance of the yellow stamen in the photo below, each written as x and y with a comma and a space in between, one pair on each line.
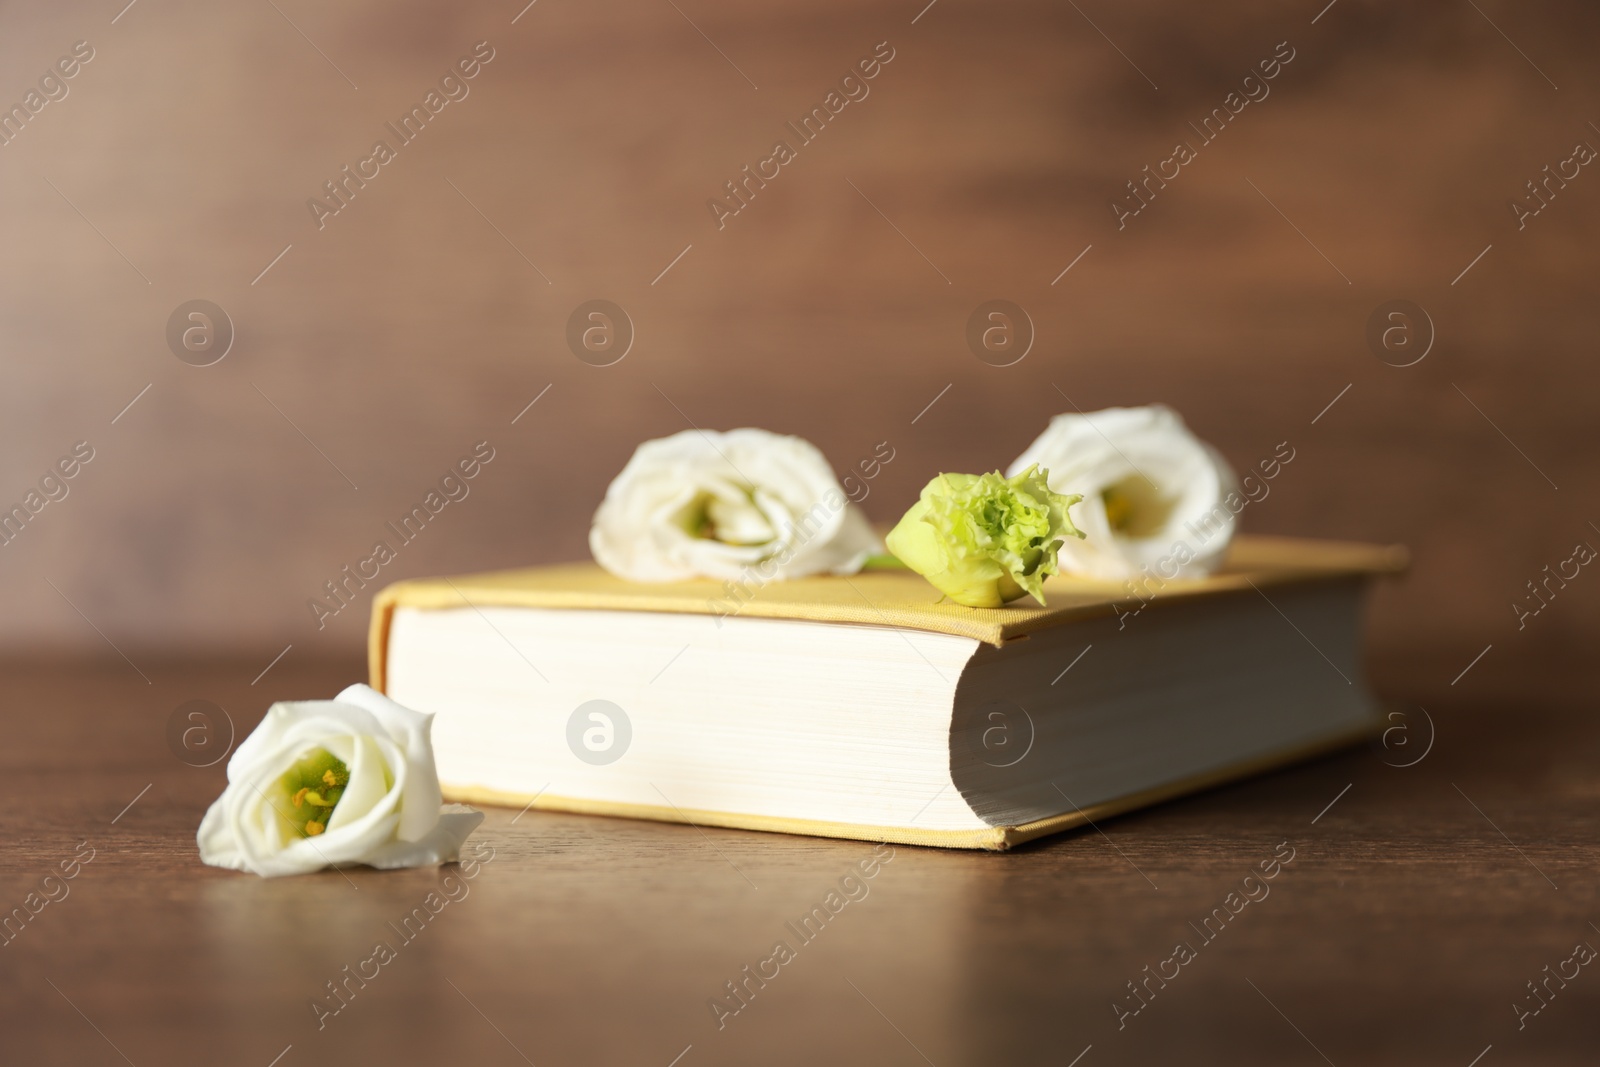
1119, 508
328, 779
313, 828
300, 797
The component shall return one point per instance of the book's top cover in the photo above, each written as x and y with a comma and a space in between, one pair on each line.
879, 598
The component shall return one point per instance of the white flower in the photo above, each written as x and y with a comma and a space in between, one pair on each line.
325, 782
718, 505
1153, 493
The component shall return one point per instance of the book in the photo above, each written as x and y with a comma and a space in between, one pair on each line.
864, 707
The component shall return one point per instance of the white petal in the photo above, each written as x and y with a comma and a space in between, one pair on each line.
388, 815
1090, 453
413, 732
768, 485
441, 845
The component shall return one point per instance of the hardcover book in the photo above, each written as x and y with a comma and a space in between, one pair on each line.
865, 707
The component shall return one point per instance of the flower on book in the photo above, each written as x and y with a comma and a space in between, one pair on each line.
1152, 492
728, 505
327, 782
984, 539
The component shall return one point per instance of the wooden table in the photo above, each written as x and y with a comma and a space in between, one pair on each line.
1420, 901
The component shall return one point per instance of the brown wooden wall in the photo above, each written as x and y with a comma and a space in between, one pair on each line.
424, 315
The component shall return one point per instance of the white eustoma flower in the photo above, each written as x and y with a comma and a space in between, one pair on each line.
1153, 493
728, 505
327, 782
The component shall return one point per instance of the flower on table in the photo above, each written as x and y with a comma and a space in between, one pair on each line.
1152, 491
327, 782
984, 539
715, 505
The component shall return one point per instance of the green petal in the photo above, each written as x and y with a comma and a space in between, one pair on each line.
983, 539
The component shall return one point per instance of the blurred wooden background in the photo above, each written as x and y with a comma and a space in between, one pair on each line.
415, 323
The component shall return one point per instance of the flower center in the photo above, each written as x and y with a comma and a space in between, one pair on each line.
733, 522
1135, 507
314, 784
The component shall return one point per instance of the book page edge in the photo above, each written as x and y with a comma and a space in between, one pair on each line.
991, 839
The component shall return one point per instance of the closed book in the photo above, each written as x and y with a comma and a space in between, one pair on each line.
868, 706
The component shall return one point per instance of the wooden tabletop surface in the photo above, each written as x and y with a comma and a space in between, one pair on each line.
1419, 903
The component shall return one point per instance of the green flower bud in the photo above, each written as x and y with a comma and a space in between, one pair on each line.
984, 539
